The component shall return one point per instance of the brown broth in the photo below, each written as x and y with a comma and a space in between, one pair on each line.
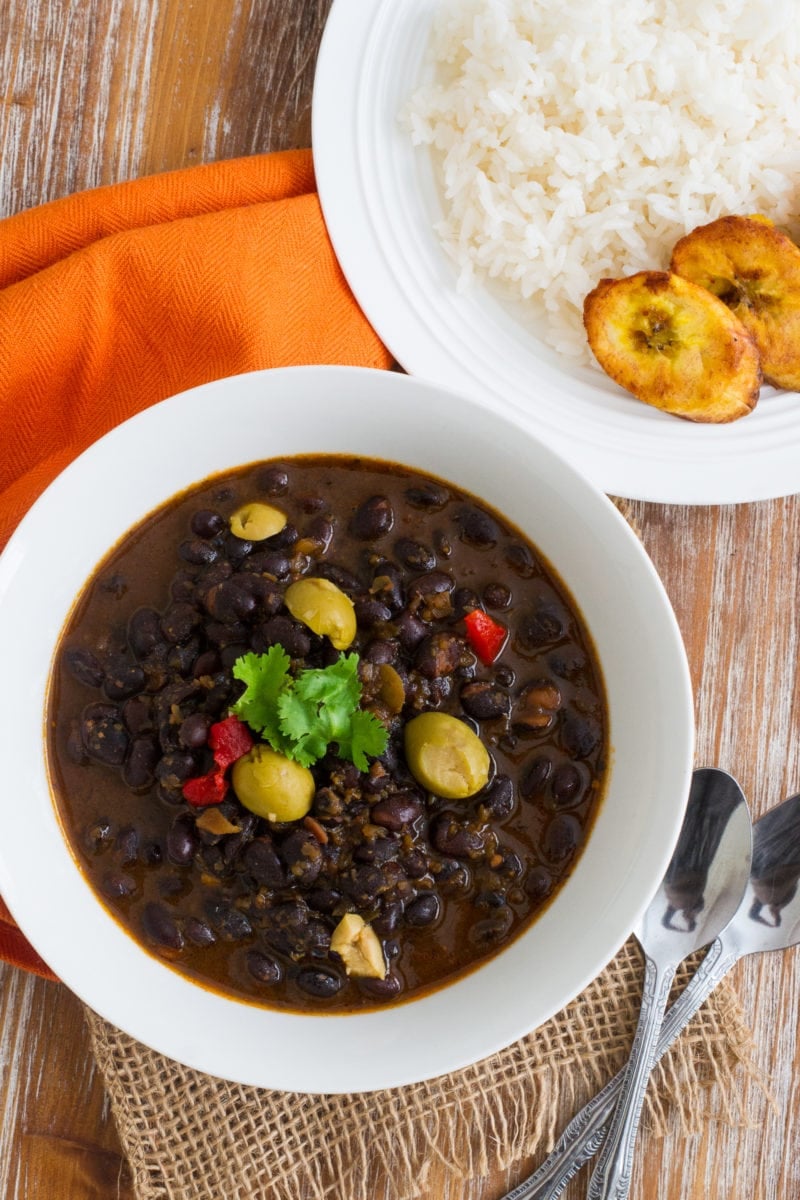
485, 898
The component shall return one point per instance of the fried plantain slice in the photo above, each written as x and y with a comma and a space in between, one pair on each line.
673, 345
755, 269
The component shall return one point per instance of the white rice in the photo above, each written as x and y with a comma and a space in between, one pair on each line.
579, 139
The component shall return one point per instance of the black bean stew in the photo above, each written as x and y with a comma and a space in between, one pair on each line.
411, 880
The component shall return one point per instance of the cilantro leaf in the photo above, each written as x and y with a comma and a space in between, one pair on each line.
266, 676
302, 717
367, 735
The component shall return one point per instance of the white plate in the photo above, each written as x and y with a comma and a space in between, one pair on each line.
376, 413
380, 202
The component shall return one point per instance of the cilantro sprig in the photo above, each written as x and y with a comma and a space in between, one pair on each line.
301, 716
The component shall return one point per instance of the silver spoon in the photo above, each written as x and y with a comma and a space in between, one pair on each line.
697, 898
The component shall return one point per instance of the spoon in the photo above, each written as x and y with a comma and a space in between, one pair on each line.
697, 898
768, 918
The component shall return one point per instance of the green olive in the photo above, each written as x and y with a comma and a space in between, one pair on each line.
255, 521
324, 608
445, 756
272, 786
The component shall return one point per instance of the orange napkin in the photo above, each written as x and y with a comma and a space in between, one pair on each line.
113, 299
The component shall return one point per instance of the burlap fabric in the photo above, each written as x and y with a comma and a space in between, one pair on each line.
189, 1136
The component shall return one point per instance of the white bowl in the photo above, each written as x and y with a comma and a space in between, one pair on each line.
338, 409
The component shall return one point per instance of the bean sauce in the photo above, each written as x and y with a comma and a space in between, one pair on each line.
248, 906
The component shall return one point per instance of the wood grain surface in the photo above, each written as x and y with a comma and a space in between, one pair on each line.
95, 91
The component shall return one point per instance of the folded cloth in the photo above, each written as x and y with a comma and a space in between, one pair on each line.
115, 298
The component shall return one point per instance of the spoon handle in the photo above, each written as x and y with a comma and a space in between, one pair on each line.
612, 1175
581, 1139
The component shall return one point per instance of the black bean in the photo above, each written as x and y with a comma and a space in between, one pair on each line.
378, 851
499, 798
193, 730
182, 840
75, 750
343, 578
389, 918
263, 968
197, 552
381, 989
464, 600
580, 735
236, 633
126, 845
123, 679
115, 884
497, 595
314, 981
372, 519
152, 854
274, 481
491, 930
410, 630
423, 910
99, 834
414, 555
520, 560
84, 666
182, 587
439, 654
396, 811
231, 924
567, 785
381, 651
284, 539
364, 885
320, 529
303, 856
206, 664
270, 562
476, 526
323, 899
179, 622
370, 611
432, 584
546, 624
175, 767
115, 585
567, 661
491, 899
539, 883
387, 585
103, 734
199, 932
161, 926
484, 701
535, 776
504, 675
561, 838
430, 496
450, 837
415, 864
236, 549
137, 713
206, 523
260, 860
229, 601
285, 632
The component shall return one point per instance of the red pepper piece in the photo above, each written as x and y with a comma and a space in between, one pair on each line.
485, 635
229, 740
206, 789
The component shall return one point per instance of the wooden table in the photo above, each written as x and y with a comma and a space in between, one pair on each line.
95, 91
